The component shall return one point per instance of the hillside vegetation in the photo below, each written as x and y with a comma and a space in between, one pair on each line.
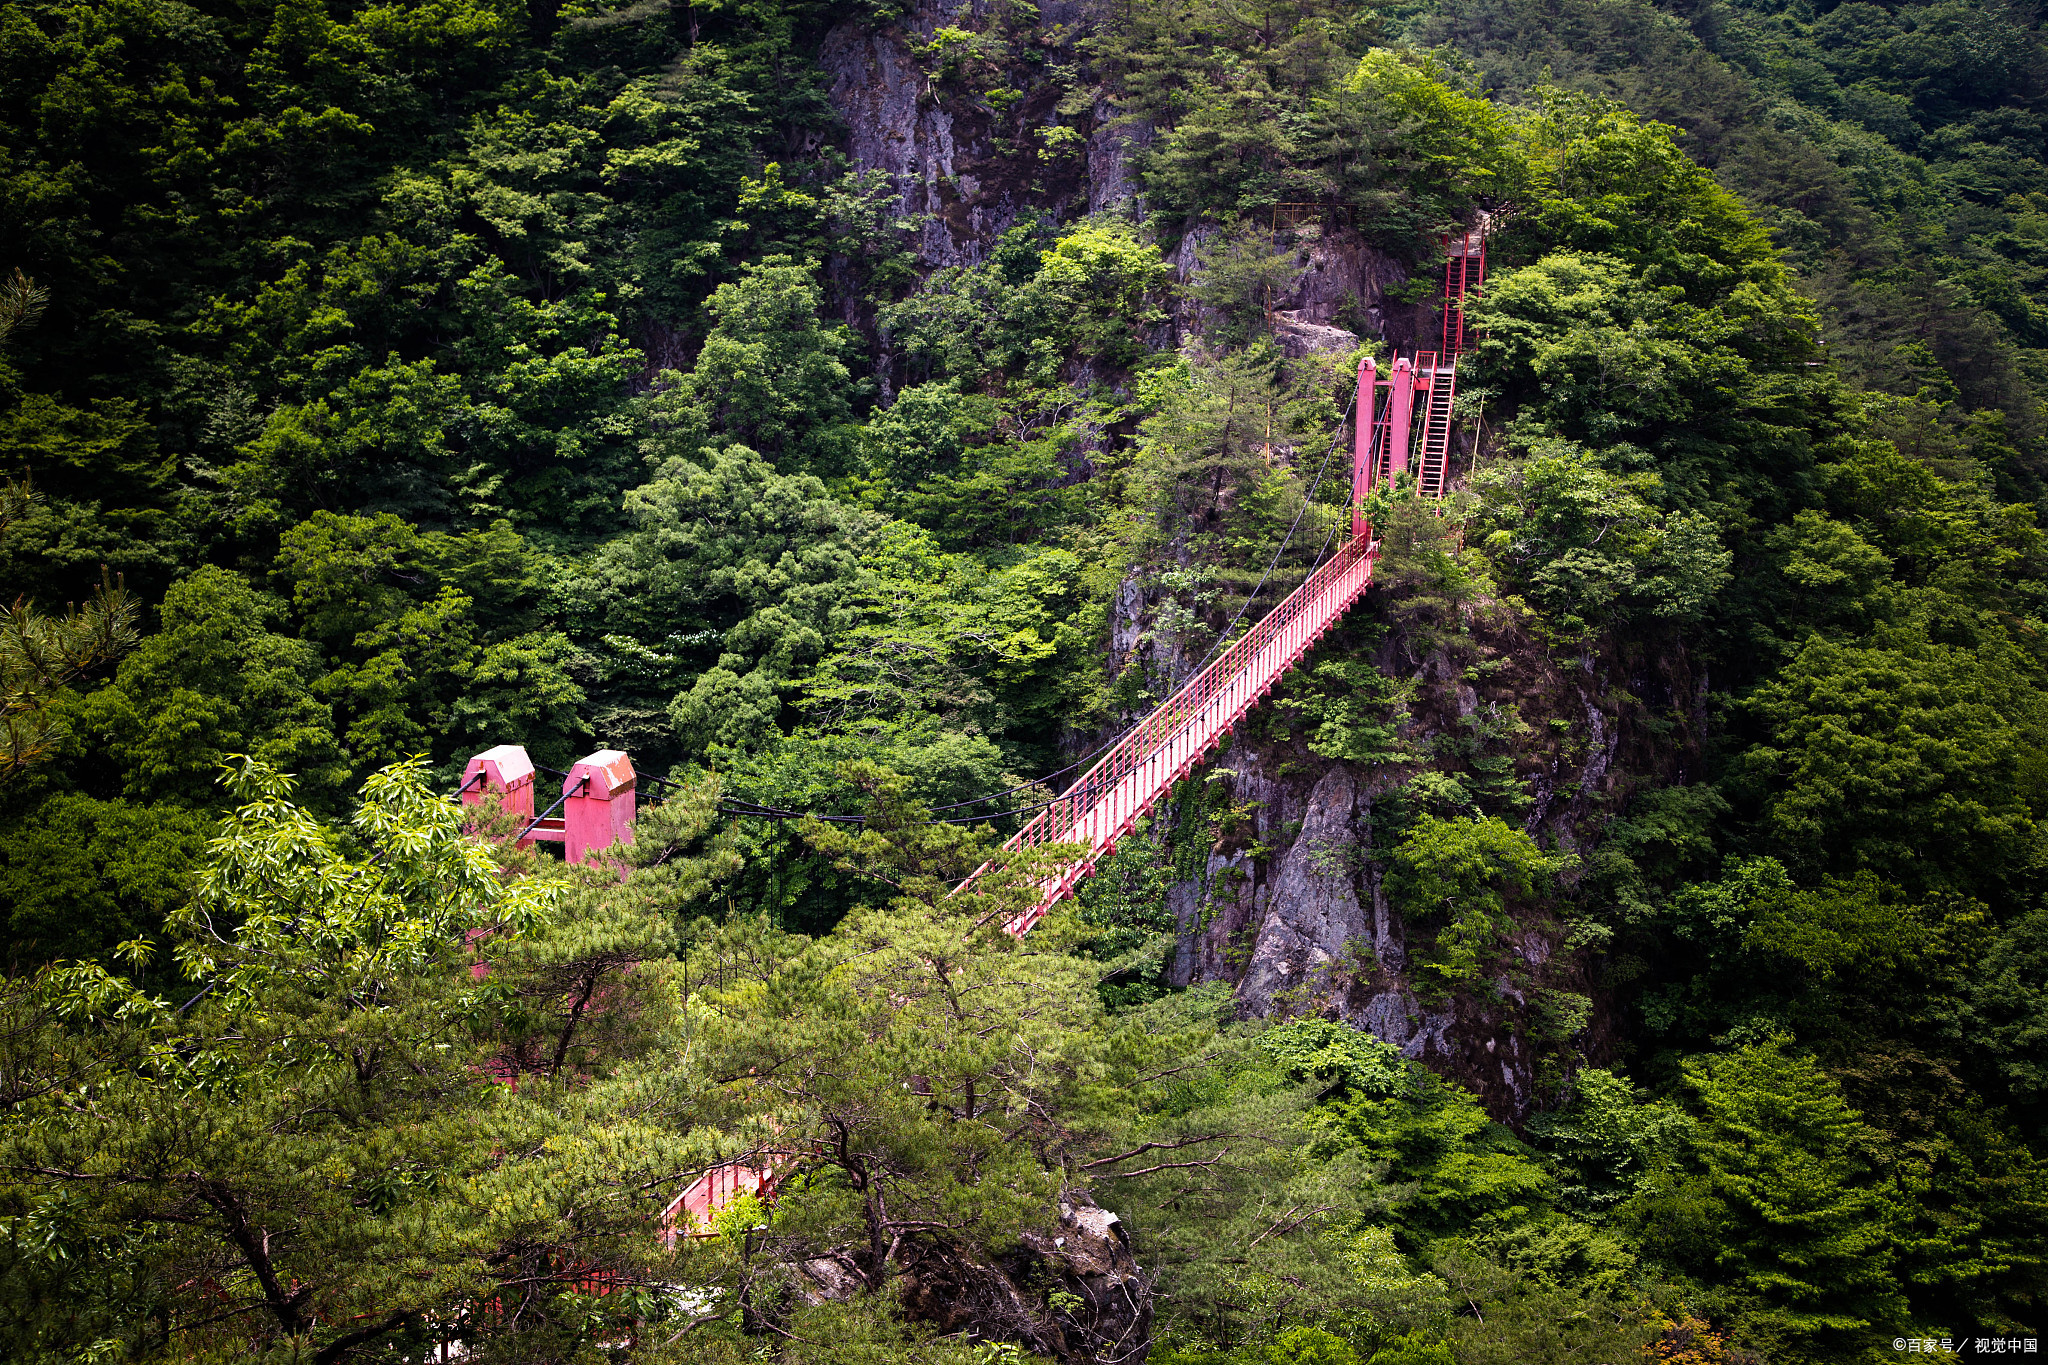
867, 412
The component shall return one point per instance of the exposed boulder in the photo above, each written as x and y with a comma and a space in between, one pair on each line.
1313, 918
1092, 1261
827, 1279
1299, 337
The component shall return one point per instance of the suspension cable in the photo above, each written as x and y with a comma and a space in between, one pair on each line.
549, 811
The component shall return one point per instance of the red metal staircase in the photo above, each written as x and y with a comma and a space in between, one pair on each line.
1439, 379
1464, 276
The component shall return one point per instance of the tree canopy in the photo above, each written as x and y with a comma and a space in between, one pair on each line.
1643, 882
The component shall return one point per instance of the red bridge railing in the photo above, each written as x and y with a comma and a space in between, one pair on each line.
1124, 785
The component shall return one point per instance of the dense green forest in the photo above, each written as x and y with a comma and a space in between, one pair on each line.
867, 412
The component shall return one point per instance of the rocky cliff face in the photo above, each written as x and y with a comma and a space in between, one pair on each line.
1345, 287
1291, 906
968, 169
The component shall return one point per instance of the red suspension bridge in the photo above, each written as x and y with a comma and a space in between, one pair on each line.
1108, 801
1104, 805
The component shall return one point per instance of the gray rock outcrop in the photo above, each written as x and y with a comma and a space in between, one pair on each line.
1313, 920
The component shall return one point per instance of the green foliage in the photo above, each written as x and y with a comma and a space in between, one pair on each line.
1310, 1346
1436, 584
1041, 301
855, 217
215, 680
40, 653
1244, 98
1414, 1348
1276, 106
732, 572
1350, 710
1614, 356
1608, 1144
1394, 1293
1239, 273
81, 875
941, 634
1456, 1170
1092, 294
1871, 751
1257, 1239
1460, 872
319, 1085
1785, 1201
501, 435
460, 373
1617, 185
2006, 1010
1217, 424
933, 1078
771, 376
1340, 1057
1454, 147
1135, 934
925, 430
1552, 1327
1887, 189
1589, 547
409, 672
301, 910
